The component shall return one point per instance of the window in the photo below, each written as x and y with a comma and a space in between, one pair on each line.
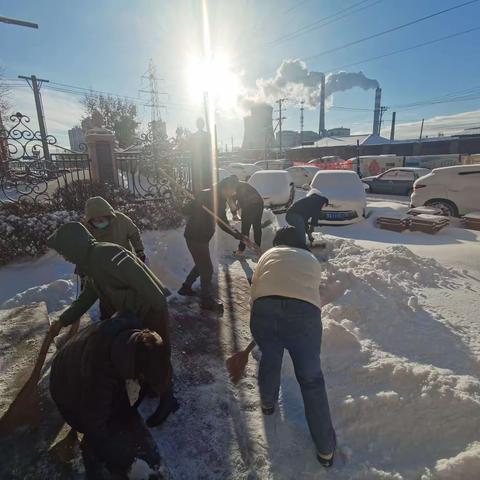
387, 176
405, 175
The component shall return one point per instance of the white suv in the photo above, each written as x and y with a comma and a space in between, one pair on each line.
454, 190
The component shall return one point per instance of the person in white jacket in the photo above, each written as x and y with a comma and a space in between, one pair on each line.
286, 315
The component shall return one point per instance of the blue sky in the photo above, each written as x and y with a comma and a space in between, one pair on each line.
106, 45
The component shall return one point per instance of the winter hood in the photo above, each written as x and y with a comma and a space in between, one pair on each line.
73, 241
98, 207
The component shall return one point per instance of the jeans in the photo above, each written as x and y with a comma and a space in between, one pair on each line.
279, 323
203, 267
252, 217
297, 221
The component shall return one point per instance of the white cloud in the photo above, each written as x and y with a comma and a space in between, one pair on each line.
62, 111
446, 124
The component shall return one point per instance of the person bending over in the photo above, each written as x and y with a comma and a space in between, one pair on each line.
88, 384
304, 214
250, 203
286, 315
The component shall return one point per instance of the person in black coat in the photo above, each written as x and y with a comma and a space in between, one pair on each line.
304, 214
199, 230
88, 384
250, 203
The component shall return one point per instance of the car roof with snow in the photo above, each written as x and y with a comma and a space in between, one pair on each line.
458, 168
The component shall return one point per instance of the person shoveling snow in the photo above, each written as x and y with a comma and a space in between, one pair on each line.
121, 281
304, 214
286, 315
88, 384
246, 199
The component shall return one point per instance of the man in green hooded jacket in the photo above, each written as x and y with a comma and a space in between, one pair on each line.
119, 279
109, 225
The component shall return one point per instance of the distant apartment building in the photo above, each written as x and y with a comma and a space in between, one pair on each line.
76, 138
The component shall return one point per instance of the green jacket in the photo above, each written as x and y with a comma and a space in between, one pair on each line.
121, 230
113, 274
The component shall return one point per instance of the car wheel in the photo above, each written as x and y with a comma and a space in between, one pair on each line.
448, 208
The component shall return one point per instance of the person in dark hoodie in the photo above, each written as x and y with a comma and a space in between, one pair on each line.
120, 280
304, 214
250, 203
199, 231
88, 383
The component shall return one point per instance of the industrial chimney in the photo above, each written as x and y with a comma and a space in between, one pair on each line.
377, 111
258, 128
321, 123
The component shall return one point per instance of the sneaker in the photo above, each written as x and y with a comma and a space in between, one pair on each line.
212, 305
239, 253
268, 410
325, 459
186, 291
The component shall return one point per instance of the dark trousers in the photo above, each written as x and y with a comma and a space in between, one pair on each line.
297, 221
129, 438
279, 323
203, 267
252, 217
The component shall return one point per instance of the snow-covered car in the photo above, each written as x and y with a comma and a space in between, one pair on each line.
223, 173
243, 170
279, 164
276, 188
302, 174
396, 181
454, 190
346, 194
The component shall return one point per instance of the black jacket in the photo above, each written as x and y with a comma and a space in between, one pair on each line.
87, 384
309, 208
200, 224
246, 197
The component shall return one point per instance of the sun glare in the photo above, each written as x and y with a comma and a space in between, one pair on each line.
215, 78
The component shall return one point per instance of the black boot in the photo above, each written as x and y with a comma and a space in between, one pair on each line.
212, 305
168, 404
186, 291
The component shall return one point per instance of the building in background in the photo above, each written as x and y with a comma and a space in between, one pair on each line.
76, 138
338, 132
258, 128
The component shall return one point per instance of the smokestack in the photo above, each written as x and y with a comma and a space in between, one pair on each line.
392, 129
321, 124
377, 111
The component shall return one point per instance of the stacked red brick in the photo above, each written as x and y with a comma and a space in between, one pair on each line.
395, 222
428, 223
472, 221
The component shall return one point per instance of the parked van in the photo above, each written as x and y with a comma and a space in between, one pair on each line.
371, 165
454, 190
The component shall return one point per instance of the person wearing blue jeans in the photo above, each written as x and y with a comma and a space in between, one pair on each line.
286, 315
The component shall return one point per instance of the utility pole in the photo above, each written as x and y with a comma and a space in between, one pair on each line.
392, 128
302, 108
155, 105
35, 84
380, 118
280, 120
421, 130
232, 142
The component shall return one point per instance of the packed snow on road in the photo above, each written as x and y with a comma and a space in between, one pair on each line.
400, 355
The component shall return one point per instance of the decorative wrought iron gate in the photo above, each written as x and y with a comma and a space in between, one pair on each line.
27, 172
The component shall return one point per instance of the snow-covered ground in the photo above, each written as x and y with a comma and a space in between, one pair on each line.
401, 353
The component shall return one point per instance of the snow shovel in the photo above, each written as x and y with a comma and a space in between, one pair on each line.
238, 361
24, 410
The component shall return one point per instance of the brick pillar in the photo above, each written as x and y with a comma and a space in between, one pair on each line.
101, 150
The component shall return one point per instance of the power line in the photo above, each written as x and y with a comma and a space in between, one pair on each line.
413, 47
390, 30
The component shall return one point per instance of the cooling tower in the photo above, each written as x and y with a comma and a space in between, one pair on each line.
258, 128
377, 111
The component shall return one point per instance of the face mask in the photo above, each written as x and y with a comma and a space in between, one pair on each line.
101, 225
